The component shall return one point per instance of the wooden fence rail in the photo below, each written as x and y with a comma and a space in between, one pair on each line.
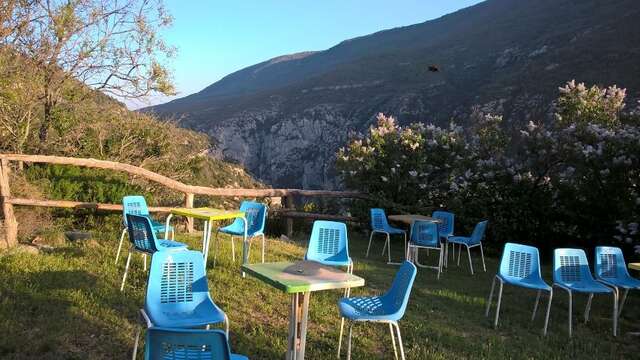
189, 191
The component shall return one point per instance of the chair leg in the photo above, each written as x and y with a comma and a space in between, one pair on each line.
349, 341
470, 264
440, 261
624, 298
546, 319
459, 251
216, 247
400, 341
233, 250
388, 247
570, 313
263, 243
405, 242
493, 285
615, 313
144, 260
369, 246
124, 232
135, 344
393, 341
340, 338
587, 309
535, 307
173, 234
484, 266
126, 270
495, 322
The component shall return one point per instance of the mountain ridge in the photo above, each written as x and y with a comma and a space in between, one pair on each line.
285, 122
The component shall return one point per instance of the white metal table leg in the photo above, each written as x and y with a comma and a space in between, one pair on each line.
298, 316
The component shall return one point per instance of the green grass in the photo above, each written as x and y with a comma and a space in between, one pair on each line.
66, 304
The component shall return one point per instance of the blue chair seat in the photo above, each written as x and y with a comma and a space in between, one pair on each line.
460, 240
392, 230
529, 283
238, 231
588, 287
629, 283
366, 308
171, 245
203, 314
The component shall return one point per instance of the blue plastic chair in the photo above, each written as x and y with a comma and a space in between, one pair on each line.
424, 235
388, 308
143, 239
136, 205
472, 241
520, 266
571, 273
178, 293
445, 230
188, 344
380, 225
329, 244
611, 270
256, 215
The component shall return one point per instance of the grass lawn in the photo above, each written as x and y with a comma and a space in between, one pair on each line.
66, 304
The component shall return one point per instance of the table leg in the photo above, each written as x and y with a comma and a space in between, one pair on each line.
298, 315
206, 238
166, 226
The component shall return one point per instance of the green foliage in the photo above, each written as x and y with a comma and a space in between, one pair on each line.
82, 184
575, 181
593, 105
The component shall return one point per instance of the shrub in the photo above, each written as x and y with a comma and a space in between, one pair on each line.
574, 181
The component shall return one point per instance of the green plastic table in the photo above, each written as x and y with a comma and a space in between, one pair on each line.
210, 215
634, 266
299, 279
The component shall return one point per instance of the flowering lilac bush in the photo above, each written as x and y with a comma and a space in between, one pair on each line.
574, 181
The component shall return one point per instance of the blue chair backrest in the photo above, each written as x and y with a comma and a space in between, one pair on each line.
445, 228
520, 262
177, 282
610, 263
328, 241
185, 344
398, 294
141, 233
425, 233
570, 266
135, 205
378, 219
256, 214
478, 232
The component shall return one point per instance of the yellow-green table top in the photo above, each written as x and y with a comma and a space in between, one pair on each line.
634, 266
302, 276
208, 213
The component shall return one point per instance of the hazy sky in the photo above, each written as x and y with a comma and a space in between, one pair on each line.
216, 38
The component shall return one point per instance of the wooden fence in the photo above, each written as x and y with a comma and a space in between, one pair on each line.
189, 191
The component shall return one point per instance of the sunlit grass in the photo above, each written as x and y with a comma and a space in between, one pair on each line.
67, 305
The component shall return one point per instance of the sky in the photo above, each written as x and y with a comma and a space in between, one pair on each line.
217, 37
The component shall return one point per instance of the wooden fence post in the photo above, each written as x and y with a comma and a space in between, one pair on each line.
10, 223
188, 203
290, 205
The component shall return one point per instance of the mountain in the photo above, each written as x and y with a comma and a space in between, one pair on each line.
284, 119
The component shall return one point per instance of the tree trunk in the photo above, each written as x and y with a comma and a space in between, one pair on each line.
46, 121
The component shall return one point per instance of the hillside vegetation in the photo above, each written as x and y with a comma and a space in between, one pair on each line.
89, 124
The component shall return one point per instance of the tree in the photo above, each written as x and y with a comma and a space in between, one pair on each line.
108, 45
